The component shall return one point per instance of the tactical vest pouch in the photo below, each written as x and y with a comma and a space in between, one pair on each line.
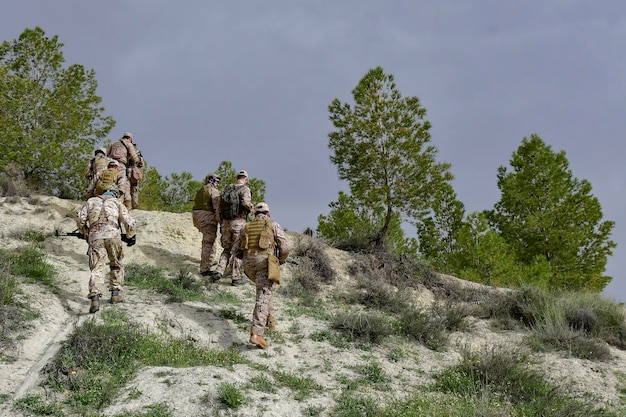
264, 240
273, 269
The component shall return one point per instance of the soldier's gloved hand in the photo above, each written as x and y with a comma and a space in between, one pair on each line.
281, 261
131, 241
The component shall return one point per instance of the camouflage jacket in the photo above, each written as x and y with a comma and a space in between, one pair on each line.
102, 217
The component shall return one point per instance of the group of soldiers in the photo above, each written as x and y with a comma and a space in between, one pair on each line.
114, 176
247, 243
244, 243
121, 164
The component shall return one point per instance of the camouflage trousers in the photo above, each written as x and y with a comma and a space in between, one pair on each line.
205, 222
256, 269
230, 229
101, 252
134, 196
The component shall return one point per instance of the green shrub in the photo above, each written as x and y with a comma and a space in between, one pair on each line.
424, 326
501, 374
182, 287
230, 395
366, 326
302, 386
98, 359
30, 262
307, 248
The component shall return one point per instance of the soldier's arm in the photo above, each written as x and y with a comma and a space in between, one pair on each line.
133, 155
88, 169
82, 220
215, 203
246, 198
281, 243
126, 219
91, 186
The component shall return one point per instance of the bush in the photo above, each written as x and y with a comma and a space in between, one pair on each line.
363, 325
30, 262
501, 374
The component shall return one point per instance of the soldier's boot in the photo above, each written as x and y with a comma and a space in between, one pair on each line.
258, 340
271, 322
95, 304
116, 297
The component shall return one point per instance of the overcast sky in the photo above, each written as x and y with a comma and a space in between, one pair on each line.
199, 82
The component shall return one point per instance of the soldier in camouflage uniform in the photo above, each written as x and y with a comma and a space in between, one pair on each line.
97, 163
122, 183
256, 266
125, 152
99, 221
230, 228
206, 217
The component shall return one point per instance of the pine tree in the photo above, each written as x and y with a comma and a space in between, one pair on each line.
545, 212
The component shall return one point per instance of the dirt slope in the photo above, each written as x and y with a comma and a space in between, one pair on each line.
167, 239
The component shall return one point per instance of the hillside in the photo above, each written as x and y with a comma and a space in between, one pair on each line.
169, 240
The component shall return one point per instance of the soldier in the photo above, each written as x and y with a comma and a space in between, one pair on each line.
110, 175
232, 222
131, 162
254, 243
97, 163
206, 217
100, 221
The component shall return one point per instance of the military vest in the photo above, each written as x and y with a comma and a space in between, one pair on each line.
259, 236
202, 201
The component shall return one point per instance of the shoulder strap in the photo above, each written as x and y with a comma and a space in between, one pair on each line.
121, 140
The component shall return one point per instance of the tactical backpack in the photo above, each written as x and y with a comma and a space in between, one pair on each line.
230, 206
107, 181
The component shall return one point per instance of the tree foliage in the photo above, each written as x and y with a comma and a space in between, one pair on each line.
175, 192
438, 229
380, 146
350, 226
50, 115
480, 254
546, 213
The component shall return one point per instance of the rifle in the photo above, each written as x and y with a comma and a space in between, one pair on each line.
75, 233
129, 241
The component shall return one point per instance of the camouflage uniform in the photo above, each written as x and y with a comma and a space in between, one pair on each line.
96, 164
122, 184
230, 229
125, 152
100, 219
206, 217
255, 265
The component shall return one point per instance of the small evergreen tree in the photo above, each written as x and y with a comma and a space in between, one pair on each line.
544, 212
380, 147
